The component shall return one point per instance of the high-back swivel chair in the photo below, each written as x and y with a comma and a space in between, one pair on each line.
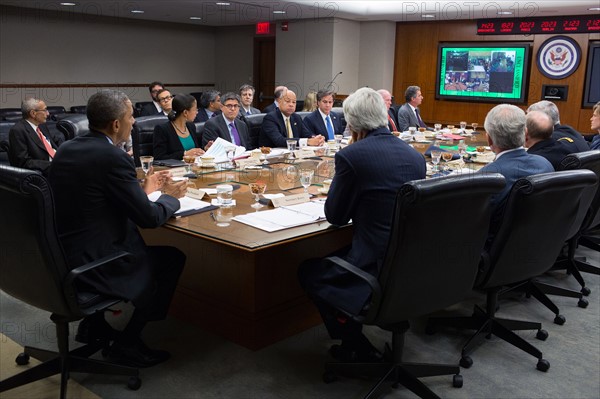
416, 279
34, 270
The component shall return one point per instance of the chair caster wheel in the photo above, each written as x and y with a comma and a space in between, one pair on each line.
583, 303
543, 365
559, 319
457, 381
22, 359
586, 291
430, 330
329, 377
466, 362
542, 335
134, 383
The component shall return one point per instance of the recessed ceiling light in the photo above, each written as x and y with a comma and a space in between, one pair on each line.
278, 12
427, 16
594, 9
137, 11
195, 18
223, 4
505, 13
68, 4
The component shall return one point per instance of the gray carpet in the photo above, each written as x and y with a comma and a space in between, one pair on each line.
207, 366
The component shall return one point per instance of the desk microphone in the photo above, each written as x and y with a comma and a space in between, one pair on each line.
333, 80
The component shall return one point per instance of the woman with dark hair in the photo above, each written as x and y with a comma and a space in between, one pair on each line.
176, 138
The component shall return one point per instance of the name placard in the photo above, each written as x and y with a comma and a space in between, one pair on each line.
304, 153
242, 163
290, 200
178, 172
195, 193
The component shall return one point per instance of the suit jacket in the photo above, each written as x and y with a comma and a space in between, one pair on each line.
554, 151
313, 125
273, 132
513, 166
203, 116
406, 118
579, 144
150, 109
392, 115
216, 127
364, 190
26, 149
595, 144
166, 143
252, 111
270, 108
99, 202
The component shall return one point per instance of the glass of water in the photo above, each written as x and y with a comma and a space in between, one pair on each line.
225, 194
306, 176
338, 141
291, 146
435, 159
146, 161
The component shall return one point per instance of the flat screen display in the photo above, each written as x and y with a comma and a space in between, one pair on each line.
495, 72
592, 76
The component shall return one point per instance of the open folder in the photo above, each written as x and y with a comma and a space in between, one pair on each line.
285, 217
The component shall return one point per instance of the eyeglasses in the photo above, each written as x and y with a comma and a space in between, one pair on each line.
41, 110
231, 106
165, 99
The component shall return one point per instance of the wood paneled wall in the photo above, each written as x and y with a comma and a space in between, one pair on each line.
416, 62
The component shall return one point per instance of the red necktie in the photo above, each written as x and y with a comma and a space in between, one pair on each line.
51, 151
392, 124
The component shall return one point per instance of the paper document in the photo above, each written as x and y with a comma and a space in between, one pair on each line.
219, 148
186, 203
285, 216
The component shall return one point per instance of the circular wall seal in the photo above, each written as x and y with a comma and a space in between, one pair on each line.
558, 57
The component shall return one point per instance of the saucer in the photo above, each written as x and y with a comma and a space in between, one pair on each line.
321, 190
207, 166
253, 167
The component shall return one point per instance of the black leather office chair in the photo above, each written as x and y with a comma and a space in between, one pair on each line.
415, 281
584, 160
73, 125
199, 131
303, 114
254, 123
538, 216
10, 114
34, 270
4, 144
137, 108
144, 133
78, 109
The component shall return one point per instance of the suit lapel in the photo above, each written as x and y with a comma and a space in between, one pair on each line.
34, 136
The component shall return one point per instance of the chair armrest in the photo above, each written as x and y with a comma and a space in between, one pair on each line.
366, 277
73, 274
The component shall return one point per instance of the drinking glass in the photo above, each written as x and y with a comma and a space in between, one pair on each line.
306, 176
474, 126
230, 153
257, 189
338, 141
146, 162
189, 161
435, 159
462, 148
291, 146
437, 127
463, 126
225, 195
447, 157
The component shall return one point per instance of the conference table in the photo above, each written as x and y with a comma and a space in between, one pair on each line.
240, 282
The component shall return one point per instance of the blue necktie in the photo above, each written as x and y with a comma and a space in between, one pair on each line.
236, 135
421, 124
329, 128
595, 145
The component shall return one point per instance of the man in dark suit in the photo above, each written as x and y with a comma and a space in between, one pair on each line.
247, 96
227, 125
322, 121
31, 145
283, 124
505, 128
279, 90
564, 133
539, 140
364, 191
409, 114
99, 206
210, 105
154, 108
595, 125
392, 119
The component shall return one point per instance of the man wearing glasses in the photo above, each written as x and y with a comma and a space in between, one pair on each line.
31, 145
154, 108
227, 125
165, 99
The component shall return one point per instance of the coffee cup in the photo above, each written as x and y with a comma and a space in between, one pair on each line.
255, 154
208, 161
326, 184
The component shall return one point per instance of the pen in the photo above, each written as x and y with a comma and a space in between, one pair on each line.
212, 215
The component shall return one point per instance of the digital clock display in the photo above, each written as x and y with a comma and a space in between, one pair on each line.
567, 24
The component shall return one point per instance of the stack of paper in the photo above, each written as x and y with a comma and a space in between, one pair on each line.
285, 217
219, 148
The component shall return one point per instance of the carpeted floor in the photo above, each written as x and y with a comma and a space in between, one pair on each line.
206, 366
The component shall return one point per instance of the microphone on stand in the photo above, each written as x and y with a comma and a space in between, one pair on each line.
329, 86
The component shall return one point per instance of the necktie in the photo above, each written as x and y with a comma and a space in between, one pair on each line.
595, 145
290, 134
393, 127
236, 135
248, 113
329, 128
51, 151
213, 115
421, 124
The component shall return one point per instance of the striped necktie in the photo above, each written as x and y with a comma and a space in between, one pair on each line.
288, 128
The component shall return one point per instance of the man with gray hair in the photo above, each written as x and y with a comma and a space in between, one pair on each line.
31, 145
368, 174
99, 206
210, 105
247, 96
505, 128
539, 140
570, 137
409, 114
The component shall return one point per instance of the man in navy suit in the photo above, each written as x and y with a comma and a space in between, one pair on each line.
227, 125
409, 114
154, 108
284, 124
539, 140
247, 96
322, 121
31, 145
595, 124
563, 133
505, 127
279, 90
387, 99
210, 105
368, 174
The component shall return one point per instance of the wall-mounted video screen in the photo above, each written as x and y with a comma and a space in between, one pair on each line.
483, 72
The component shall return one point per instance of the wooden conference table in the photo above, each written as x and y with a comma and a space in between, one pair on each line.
240, 282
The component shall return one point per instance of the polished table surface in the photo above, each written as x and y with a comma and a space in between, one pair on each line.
240, 282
